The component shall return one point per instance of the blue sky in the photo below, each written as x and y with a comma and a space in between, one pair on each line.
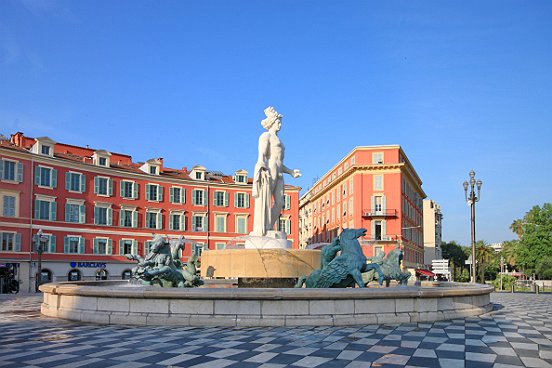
458, 84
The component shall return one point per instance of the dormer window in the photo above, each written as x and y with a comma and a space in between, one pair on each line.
43, 146
240, 177
45, 150
152, 167
102, 161
198, 172
101, 158
199, 175
153, 170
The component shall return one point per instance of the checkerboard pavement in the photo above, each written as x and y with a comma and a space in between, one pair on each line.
518, 332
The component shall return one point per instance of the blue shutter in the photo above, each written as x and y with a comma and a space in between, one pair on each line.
135, 219
82, 183
66, 212
17, 242
96, 185
82, 214
171, 194
66, 244
67, 181
110, 187
54, 178
37, 175
109, 216
147, 192
95, 246
19, 172
52, 244
53, 210
109, 246
95, 215
246, 200
81, 245
160, 193
135, 190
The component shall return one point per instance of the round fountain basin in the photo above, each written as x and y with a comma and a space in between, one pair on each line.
117, 303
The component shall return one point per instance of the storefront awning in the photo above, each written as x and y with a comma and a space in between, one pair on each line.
425, 273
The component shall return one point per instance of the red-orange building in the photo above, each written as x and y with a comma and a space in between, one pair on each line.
94, 206
375, 188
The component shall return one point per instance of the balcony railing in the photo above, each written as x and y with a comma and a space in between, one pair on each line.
382, 213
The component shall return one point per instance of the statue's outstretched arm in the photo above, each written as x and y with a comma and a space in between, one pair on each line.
295, 172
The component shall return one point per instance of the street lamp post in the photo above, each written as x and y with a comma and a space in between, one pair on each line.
41, 241
470, 200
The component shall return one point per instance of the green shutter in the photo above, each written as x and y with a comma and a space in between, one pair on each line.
182, 195
66, 212
109, 246
194, 199
160, 193
159, 221
96, 185
17, 242
109, 216
95, 246
95, 215
81, 245
225, 199
52, 244
182, 223
37, 175
122, 188
110, 187
65, 244
246, 200
53, 210
121, 247
1, 169
37, 208
54, 178
205, 223
19, 172
147, 192
67, 181
135, 190
171, 216
82, 183
134, 246
135, 219
121, 217
82, 214
236, 200
171, 194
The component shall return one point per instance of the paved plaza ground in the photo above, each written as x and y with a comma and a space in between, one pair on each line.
517, 333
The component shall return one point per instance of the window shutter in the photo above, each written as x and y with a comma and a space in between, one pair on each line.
121, 217
121, 248
53, 210
159, 221
95, 215
96, 185
225, 199
373, 199
182, 223
204, 198
67, 181
160, 193
182, 195
36, 209
122, 189
81, 245
383, 203
1, 169
54, 178
148, 192
37, 175
66, 212
135, 190
134, 247
19, 172
135, 219
384, 229
82, 183
82, 214
373, 223
52, 244
236, 200
171, 217
109, 216
194, 197
95, 247
205, 223
109, 246
65, 244
171, 194
110, 187
17, 242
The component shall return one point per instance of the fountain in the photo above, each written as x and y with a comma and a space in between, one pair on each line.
267, 262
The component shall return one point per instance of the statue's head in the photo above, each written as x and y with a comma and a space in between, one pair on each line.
272, 116
350, 234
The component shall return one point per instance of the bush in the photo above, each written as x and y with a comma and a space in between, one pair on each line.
507, 282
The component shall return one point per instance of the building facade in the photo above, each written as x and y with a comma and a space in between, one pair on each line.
95, 206
375, 188
433, 219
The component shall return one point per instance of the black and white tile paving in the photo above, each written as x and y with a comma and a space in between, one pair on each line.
518, 333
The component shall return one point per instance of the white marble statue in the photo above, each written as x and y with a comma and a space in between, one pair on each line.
268, 180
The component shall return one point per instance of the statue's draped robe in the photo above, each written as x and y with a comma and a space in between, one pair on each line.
261, 193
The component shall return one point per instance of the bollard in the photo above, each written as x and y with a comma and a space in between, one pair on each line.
512, 288
536, 289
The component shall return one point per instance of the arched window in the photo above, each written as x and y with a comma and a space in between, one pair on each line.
74, 275
45, 276
126, 274
101, 274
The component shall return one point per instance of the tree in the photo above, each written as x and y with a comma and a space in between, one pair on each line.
483, 254
510, 251
536, 240
517, 228
455, 253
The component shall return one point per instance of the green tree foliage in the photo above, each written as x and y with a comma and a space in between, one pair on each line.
455, 253
507, 282
509, 251
484, 255
536, 239
517, 228
544, 268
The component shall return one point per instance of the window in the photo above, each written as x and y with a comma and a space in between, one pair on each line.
220, 199
45, 208
103, 246
284, 225
176, 221
75, 182
220, 223
154, 219
378, 230
129, 189
154, 192
241, 179
46, 177
128, 217
198, 248
75, 212
103, 186
49, 246
241, 200
198, 197
8, 205
45, 150
102, 161
11, 242
241, 224
377, 158
103, 214
378, 182
287, 201
177, 195
11, 171
220, 246
73, 244
153, 170
378, 204
198, 223
198, 175
351, 186
128, 246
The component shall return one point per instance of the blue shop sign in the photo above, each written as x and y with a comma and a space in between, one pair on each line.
89, 264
